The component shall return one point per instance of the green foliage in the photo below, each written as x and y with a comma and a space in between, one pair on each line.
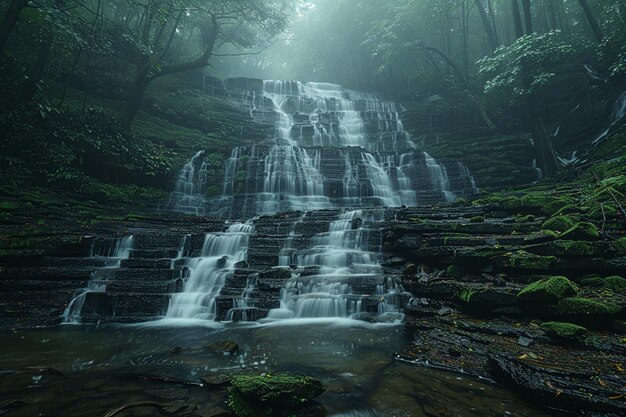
584, 306
613, 49
534, 69
60, 148
548, 290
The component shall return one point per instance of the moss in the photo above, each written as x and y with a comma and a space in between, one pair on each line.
568, 209
615, 283
564, 330
573, 248
606, 211
556, 205
467, 294
454, 271
584, 306
620, 246
592, 281
548, 290
524, 260
558, 224
8, 205
525, 219
582, 231
477, 219
275, 392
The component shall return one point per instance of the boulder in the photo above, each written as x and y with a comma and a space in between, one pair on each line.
548, 290
274, 395
225, 347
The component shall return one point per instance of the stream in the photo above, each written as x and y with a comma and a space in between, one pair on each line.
74, 370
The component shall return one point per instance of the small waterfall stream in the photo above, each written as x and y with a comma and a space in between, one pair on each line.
207, 274
112, 259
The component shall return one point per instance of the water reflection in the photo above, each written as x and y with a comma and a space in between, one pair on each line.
75, 370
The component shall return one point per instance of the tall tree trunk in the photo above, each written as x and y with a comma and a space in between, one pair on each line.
543, 146
10, 20
489, 29
517, 19
493, 21
595, 27
69, 76
36, 73
135, 97
528, 17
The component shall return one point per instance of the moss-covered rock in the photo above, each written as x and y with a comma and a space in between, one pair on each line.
568, 210
615, 283
593, 280
576, 306
272, 395
572, 248
558, 224
477, 219
620, 246
528, 261
548, 290
564, 330
555, 205
582, 231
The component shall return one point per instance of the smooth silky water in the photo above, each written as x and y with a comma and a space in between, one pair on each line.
320, 328
353, 360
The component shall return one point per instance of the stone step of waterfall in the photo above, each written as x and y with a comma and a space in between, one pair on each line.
140, 263
157, 241
141, 274
242, 314
47, 273
141, 286
136, 305
236, 283
41, 284
154, 253
91, 262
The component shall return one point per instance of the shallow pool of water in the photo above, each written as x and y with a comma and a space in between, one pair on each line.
353, 360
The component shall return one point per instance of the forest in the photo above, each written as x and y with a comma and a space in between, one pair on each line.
351, 208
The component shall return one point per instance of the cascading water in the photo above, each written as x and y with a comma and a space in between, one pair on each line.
331, 148
207, 274
189, 195
112, 257
342, 259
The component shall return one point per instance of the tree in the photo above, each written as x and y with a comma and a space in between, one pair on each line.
237, 22
528, 17
517, 19
595, 27
10, 20
519, 78
488, 25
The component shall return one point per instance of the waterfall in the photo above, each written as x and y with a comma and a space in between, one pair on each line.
208, 273
439, 177
112, 257
342, 256
189, 195
331, 147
